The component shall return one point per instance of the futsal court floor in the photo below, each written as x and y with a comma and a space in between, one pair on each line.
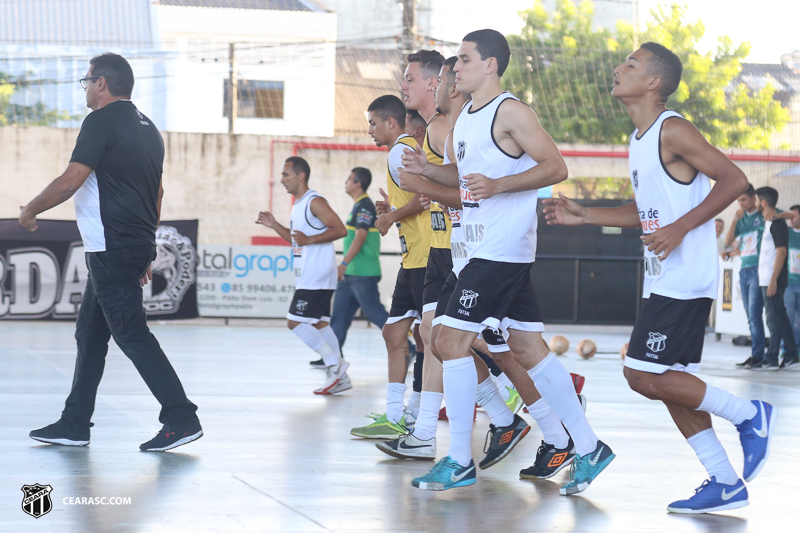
277, 458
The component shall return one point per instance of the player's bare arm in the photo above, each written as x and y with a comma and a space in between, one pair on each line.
415, 162
685, 152
437, 133
447, 196
267, 219
780, 260
566, 212
321, 209
59, 191
731, 235
385, 220
517, 130
355, 247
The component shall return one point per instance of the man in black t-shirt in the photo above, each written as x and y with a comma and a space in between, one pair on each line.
773, 277
115, 177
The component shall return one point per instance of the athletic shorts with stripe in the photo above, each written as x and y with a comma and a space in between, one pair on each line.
668, 335
407, 296
494, 339
440, 266
310, 306
495, 295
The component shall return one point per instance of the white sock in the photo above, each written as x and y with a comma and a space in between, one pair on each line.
552, 430
460, 388
428, 419
315, 340
489, 398
503, 384
711, 453
330, 338
413, 403
395, 395
725, 405
555, 386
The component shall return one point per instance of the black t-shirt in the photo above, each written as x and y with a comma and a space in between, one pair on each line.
780, 234
126, 151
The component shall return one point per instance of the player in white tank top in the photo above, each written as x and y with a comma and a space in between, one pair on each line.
312, 229
670, 166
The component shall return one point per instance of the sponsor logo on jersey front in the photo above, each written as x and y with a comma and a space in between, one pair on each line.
635, 178
657, 342
468, 299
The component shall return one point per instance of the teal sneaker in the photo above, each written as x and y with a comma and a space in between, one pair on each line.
446, 474
587, 467
381, 428
514, 401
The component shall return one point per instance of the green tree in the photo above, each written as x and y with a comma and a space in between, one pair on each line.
563, 67
32, 115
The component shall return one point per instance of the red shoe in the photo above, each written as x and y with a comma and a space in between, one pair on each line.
443, 413
577, 382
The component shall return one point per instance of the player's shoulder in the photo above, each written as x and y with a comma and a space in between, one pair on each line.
513, 111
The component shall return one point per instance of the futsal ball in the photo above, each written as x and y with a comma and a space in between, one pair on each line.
623, 351
587, 348
559, 344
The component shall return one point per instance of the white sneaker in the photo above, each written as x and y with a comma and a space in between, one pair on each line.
335, 375
409, 418
409, 447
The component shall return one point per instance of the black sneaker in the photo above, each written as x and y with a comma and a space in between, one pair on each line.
791, 364
61, 433
171, 437
502, 441
319, 363
549, 461
765, 365
747, 363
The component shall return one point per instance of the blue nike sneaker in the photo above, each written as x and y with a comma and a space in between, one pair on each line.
756, 437
712, 496
446, 474
587, 467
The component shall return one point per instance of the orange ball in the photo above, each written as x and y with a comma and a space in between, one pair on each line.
559, 344
586, 348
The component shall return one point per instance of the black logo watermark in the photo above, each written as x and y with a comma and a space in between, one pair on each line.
36, 500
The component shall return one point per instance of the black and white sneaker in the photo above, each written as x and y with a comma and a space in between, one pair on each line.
549, 461
319, 363
767, 365
791, 364
61, 433
500, 441
409, 447
171, 437
747, 363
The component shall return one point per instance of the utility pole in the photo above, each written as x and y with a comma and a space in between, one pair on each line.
233, 90
409, 43
635, 14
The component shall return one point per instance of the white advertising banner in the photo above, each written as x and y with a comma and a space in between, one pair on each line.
731, 317
244, 281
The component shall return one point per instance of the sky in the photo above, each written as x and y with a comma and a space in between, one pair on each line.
772, 28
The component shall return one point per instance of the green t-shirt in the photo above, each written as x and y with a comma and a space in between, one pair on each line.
749, 229
793, 256
367, 261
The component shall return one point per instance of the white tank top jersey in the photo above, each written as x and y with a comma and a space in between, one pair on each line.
314, 264
457, 245
691, 270
501, 228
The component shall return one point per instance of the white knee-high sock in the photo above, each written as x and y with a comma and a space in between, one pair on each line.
330, 337
552, 430
489, 398
316, 341
711, 453
555, 386
502, 383
395, 396
725, 405
460, 387
413, 403
428, 419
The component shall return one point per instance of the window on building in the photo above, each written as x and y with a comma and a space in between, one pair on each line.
256, 99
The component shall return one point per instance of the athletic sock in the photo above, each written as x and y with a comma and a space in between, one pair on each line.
418, 362
503, 384
555, 385
315, 340
331, 338
395, 395
460, 388
725, 405
413, 403
711, 453
428, 419
552, 430
489, 398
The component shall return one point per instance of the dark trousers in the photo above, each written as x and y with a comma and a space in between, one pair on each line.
351, 293
112, 306
780, 329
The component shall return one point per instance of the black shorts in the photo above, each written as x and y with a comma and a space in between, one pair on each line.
494, 338
310, 306
668, 335
407, 296
495, 295
440, 265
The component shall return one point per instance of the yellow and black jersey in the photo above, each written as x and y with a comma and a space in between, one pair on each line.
440, 221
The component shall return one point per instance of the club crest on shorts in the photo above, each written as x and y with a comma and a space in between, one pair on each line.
36, 500
657, 342
462, 147
468, 299
635, 176
301, 305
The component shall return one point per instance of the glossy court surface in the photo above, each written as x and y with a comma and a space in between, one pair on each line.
277, 458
